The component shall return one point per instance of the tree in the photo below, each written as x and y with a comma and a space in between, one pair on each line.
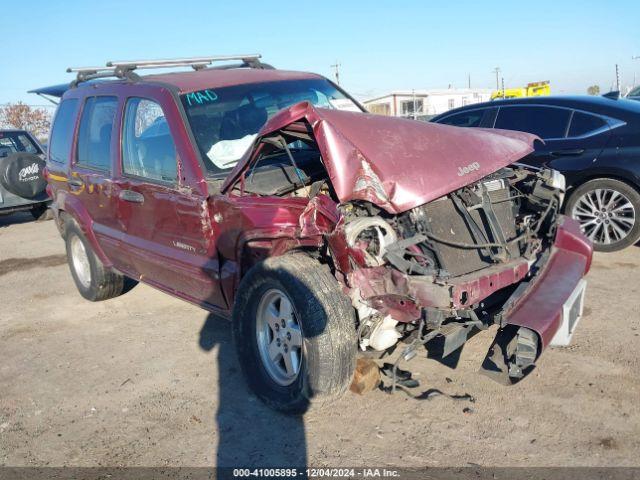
593, 90
24, 117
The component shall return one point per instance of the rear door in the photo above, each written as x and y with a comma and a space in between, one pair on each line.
572, 139
587, 136
166, 221
549, 123
90, 176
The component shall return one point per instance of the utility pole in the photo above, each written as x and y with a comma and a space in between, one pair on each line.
337, 66
413, 92
469, 81
497, 72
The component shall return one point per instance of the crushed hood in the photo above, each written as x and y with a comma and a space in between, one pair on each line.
395, 163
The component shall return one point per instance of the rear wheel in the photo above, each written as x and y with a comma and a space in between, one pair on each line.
93, 280
294, 331
608, 212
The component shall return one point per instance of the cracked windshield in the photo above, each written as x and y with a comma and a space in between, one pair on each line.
225, 121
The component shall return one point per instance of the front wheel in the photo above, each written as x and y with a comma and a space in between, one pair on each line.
607, 210
294, 332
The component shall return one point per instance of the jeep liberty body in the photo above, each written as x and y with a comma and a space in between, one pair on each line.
269, 197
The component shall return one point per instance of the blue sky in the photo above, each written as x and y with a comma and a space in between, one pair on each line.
380, 45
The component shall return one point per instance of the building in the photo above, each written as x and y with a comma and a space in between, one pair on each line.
425, 103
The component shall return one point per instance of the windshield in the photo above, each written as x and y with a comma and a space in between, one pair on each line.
225, 121
14, 142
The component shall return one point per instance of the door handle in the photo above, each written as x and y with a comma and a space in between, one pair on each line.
564, 153
131, 196
75, 182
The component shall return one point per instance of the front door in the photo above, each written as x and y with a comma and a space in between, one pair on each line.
166, 222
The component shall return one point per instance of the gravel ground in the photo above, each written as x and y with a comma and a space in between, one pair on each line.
148, 380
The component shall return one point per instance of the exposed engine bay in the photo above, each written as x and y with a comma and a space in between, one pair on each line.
416, 274
505, 220
430, 273
508, 215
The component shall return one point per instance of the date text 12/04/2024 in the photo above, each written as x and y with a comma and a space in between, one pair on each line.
316, 472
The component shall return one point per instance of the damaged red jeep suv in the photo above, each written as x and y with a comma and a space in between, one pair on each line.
270, 197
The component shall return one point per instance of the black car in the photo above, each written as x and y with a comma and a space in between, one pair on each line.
593, 141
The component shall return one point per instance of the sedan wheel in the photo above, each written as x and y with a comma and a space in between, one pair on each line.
608, 211
606, 216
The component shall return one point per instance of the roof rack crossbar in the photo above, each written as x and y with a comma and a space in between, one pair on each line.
178, 62
89, 69
124, 69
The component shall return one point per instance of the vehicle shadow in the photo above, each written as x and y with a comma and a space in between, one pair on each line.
250, 434
15, 219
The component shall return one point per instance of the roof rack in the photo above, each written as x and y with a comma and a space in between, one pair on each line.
125, 69
89, 73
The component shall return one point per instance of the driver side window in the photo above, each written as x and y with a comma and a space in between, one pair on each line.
148, 150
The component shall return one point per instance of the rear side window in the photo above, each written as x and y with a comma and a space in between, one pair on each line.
584, 124
94, 135
62, 131
546, 122
148, 149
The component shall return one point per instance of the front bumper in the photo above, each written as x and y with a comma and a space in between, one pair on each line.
534, 314
538, 303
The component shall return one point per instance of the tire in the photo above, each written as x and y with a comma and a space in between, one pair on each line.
326, 322
22, 175
615, 228
41, 212
93, 280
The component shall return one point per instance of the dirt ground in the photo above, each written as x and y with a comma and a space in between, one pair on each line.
146, 379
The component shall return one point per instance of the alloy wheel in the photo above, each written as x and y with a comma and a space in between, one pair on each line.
80, 261
606, 216
279, 336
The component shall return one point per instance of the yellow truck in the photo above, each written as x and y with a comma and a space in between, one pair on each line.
534, 89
